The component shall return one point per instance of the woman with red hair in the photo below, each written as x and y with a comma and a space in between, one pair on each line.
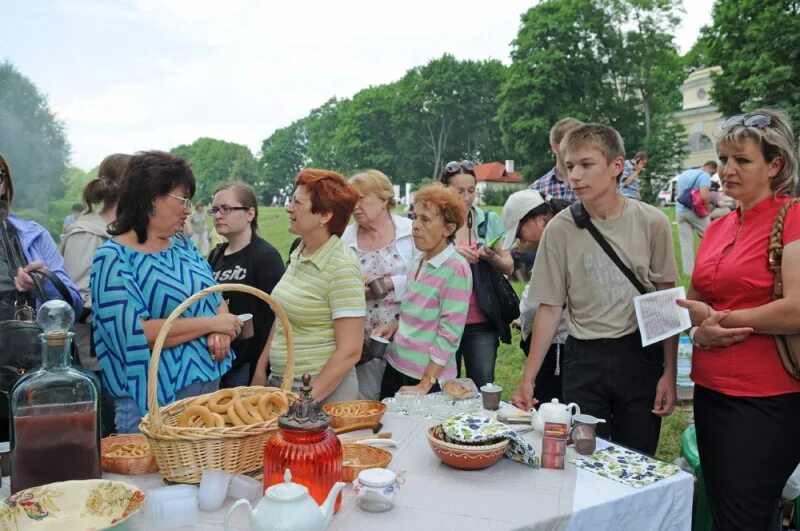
322, 293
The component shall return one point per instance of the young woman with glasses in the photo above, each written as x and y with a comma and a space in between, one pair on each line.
245, 258
745, 403
139, 277
478, 348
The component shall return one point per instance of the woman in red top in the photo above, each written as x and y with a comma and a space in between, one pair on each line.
746, 405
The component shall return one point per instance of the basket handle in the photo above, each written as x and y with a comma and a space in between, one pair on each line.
152, 376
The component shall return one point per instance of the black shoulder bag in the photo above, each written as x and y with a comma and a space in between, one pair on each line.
21, 350
496, 296
583, 221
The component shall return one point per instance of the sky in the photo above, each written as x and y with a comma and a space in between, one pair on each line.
130, 75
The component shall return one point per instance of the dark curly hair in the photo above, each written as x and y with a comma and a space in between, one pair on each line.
149, 174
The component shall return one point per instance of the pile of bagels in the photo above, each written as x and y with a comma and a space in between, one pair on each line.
229, 407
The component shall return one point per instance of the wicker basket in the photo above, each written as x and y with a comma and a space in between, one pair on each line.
350, 413
127, 465
182, 453
358, 457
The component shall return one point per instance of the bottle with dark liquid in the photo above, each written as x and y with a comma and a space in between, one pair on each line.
55, 432
306, 445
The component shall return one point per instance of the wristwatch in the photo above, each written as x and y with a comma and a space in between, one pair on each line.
692, 331
428, 379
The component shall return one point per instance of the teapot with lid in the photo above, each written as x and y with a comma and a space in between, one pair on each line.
288, 506
553, 411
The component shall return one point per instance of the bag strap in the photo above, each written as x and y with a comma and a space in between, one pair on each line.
775, 249
583, 221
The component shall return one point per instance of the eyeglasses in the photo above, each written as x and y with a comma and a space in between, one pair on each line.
455, 166
225, 209
759, 121
187, 201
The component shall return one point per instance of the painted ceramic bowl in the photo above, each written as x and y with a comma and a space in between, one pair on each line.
465, 457
91, 504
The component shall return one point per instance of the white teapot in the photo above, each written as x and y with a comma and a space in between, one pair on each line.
288, 506
553, 411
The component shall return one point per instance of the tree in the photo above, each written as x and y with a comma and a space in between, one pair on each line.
215, 162
573, 58
321, 126
32, 139
283, 155
757, 44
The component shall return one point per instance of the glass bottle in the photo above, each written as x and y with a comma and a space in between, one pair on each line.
306, 445
55, 432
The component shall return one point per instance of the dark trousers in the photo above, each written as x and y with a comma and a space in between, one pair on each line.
615, 379
394, 380
478, 351
548, 383
748, 449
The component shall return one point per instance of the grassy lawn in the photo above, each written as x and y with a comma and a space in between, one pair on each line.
273, 226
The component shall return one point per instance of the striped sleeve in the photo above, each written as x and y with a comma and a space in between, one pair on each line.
346, 296
454, 302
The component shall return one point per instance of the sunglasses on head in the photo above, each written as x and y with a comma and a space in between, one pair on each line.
759, 121
455, 166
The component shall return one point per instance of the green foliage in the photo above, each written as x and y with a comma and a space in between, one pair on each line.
32, 139
757, 44
215, 162
497, 196
283, 154
609, 62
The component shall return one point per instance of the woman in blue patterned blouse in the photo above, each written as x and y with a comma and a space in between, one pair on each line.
143, 273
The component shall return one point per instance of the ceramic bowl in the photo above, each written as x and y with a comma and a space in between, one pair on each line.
466, 457
91, 504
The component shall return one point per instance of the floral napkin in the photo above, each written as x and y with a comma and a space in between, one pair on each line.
625, 466
472, 429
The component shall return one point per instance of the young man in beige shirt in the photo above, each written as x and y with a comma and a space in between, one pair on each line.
606, 369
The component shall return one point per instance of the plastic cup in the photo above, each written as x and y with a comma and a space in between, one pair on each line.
245, 487
213, 490
378, 288
491, 396
172, 506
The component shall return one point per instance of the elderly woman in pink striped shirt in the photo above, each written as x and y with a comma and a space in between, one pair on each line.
434, 309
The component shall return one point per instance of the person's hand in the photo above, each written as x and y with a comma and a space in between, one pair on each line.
516, 323
23, 281
219, 345
227, 324
711, 334
259, 378
699, 311
471, 255
386, 331
666, 395
522, 397
486, 253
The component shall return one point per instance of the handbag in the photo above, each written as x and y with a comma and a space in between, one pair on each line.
496, 296
19, 336
691, 199
788, 344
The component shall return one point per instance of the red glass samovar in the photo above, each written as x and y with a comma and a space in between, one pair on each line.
306, 445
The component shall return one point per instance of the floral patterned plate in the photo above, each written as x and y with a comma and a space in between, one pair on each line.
626, 466
90, 505
477, 429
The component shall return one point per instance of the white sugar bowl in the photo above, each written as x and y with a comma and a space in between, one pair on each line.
374, 489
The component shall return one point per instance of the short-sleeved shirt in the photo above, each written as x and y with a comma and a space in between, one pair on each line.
571, 268
694, 179
314, 291
731, 273
628, 190
432, 315
128, 286
550, 185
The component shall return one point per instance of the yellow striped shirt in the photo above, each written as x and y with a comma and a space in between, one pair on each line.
313, 292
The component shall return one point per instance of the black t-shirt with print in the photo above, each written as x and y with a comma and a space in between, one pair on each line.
258, 265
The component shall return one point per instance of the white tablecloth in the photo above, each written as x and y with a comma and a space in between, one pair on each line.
505, 496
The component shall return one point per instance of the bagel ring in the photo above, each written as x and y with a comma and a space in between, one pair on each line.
233, 417
247, 410
220, 401
197, 417
272, 405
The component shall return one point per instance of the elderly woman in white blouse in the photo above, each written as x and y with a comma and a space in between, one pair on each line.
385, 248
